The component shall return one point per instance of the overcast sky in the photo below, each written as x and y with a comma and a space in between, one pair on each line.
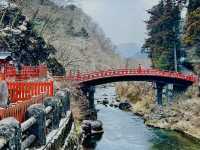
121, 20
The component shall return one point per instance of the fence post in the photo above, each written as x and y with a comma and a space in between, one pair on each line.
64, 96
51, 89
39, 128
56, 112
3, 93
23, 90
11, 134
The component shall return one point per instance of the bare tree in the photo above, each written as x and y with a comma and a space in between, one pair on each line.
66, 57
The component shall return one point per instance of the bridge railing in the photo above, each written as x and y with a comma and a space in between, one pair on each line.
22, 91
136, 72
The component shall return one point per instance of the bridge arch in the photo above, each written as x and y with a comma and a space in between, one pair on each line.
159, 77
138, 74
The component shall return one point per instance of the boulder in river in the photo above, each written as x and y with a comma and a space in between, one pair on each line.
111, 104
105, 98
117, 100
116, 104
86, 132
86, 127
97, 127
91, 130
99, 102
105, 102
124, 105
105, 94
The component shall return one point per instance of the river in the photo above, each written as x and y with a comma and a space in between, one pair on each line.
126, 131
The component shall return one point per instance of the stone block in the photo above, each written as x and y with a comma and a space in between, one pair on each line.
39, 128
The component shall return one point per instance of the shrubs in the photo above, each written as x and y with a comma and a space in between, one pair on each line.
55, 67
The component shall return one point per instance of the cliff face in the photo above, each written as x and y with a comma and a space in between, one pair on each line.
80, 43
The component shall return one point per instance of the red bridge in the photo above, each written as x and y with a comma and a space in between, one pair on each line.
138, 74
87, 81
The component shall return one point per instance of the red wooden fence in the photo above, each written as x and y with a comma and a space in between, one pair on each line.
17, 110
22, 91
26, 72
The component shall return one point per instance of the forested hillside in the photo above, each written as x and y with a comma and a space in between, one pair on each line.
80, 43
163, 34
167, 40
191, 37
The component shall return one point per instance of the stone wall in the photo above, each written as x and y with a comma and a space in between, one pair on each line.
46, 125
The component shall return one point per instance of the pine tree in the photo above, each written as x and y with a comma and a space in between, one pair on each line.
154, 27
193, 5
163, 34
27, 47
191, 37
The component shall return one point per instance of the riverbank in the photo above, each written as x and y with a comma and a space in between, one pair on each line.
182, 116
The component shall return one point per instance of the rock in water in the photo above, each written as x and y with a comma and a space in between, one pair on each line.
97, 126
116, 104
105, 102
124, 106
86, 131
3, 94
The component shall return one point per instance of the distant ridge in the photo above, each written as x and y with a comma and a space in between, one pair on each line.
130, 50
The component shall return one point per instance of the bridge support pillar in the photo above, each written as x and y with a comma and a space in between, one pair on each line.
89, 93
91, 97
64, 97
178, 90
159, 92
169, 93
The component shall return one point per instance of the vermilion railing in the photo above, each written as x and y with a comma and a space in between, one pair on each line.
17, 110
82, 77
22, 91
26, 72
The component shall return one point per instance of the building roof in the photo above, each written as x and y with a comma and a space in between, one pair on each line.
5, 55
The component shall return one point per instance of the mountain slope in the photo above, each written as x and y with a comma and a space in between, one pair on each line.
81, 44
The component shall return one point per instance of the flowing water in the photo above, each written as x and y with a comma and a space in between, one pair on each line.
126, 131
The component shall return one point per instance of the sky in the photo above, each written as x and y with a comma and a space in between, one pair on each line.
121, 20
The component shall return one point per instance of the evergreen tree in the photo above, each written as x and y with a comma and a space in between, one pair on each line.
193, 5
191, 36
17, 35
163, 34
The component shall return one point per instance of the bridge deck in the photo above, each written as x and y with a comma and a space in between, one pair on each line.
138, 74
